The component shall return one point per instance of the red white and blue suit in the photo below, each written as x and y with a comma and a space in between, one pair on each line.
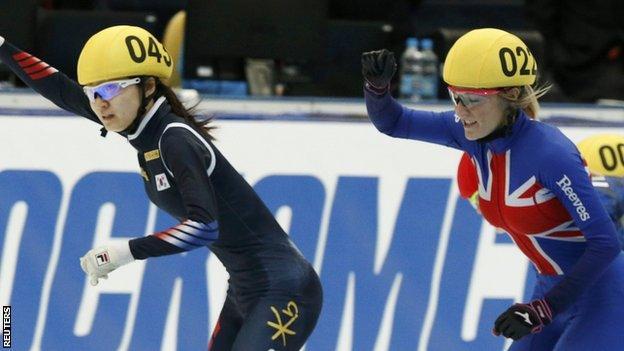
534, 185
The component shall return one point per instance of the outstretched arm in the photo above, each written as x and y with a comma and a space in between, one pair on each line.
46, 80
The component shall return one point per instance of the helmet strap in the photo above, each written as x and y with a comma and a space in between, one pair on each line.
503, 130
142, 108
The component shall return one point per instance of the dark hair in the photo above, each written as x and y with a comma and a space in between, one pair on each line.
199, 121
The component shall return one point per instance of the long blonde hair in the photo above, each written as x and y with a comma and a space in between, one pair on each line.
526, 99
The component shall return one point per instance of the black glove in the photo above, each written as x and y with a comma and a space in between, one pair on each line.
378, 67
522, 319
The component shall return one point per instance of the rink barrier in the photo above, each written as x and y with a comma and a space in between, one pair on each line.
405, 263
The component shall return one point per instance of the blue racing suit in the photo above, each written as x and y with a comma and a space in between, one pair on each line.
533, 184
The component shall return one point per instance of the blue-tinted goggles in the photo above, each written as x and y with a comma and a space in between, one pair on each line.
108, 90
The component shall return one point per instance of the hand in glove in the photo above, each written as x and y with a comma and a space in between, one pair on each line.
378, 67
98, 262
522, 319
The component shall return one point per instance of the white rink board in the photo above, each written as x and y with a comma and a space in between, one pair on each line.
367, 303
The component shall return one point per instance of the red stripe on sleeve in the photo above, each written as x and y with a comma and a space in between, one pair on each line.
36, 68
46, 72
28, 62
20, 56
160, 235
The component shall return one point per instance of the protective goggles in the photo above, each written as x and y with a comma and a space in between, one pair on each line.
471, 97
108, 90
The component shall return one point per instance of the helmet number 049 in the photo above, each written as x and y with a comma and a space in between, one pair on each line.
138, 53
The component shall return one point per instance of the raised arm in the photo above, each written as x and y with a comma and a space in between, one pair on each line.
393, 119
46, 80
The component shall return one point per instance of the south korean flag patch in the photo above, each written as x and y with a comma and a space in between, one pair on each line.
161, 182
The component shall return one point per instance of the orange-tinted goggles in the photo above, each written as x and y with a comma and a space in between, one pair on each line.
470, 97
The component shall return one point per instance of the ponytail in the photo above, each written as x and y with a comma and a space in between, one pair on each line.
527, 100
200, 124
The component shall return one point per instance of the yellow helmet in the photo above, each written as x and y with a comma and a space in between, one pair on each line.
122, 51
489, 58
604, 154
